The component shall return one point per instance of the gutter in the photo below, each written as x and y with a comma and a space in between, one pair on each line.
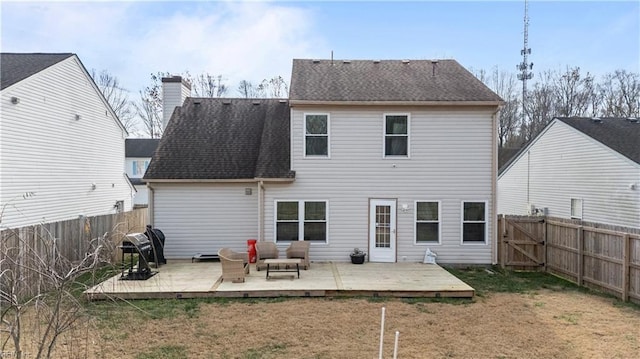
150, 211
260, 211
293, 103
240, 180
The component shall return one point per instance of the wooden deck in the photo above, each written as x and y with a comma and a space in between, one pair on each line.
183, 279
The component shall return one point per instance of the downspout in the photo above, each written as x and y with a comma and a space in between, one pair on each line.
260, 210
150, 210
494, 186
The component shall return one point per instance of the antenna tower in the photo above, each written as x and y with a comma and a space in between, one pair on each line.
525, 66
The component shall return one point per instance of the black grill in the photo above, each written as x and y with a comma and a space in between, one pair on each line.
136, 243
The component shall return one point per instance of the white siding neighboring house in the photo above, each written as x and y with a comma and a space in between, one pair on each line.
580, 168
393, 157
61, 145
138, 152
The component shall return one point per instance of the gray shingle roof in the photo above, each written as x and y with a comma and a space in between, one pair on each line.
211, 138
619, 134
140, 147
386, 80
16, 67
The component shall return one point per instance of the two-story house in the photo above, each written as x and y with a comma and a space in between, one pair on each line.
393, 157
61, 144
138, 152
580, 168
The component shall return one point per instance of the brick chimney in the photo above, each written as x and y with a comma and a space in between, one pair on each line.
174, 91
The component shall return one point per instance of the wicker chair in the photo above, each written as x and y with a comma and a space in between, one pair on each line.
300, 249
265, 250
235, 265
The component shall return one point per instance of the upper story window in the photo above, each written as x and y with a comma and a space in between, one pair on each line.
316, 135
139, 167
474, 222
396, 135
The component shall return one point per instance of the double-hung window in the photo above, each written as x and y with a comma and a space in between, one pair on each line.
427, 222
139, 167
316, 135
474, 222
301, 220
396, 135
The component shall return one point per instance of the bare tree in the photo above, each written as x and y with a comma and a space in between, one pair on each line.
149, 107
574, 93
36, 281
278, 87
207, 85
117, 97
247, 90
620, 94
540, 106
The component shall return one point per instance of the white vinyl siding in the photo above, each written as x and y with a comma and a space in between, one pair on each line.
451, 161
564, 163
46, 151
202, 218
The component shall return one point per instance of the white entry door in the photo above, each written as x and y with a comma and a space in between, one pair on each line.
382, 230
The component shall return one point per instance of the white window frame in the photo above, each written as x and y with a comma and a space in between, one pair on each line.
304, 135
581, 202
415, 223
384, 135
486, 223
301, 221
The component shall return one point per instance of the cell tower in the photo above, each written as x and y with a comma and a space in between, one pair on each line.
525, 67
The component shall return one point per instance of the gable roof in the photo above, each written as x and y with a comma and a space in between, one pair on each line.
140, 147
620, 134
214, 139
387, 81
16, 67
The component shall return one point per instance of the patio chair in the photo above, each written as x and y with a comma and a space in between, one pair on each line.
300, 249
265, 250
235, 265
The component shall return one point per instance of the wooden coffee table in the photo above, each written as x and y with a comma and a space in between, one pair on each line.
283, 265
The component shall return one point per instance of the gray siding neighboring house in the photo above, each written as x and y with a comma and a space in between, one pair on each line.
138, 153
61, 144
577, 168
393, 157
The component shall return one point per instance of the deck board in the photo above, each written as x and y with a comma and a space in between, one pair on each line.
183, 279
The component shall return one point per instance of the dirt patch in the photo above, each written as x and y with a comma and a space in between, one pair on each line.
548, 324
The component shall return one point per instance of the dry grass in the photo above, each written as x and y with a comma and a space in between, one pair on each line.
541, 324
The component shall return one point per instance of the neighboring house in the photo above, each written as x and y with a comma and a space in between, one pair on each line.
61, 144
393, 157
138, 152
583, 168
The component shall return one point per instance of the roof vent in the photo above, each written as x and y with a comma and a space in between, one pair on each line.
197, 102
226, 102
316, 61
596, 119
346, 61
256, 102
282, 101
632, 119
405, 61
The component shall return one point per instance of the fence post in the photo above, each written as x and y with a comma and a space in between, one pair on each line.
503, 245
626, 254
580, 254
544, 245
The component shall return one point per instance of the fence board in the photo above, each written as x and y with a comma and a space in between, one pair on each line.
596, 255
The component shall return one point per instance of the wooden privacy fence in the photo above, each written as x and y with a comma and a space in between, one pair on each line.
73, 237
595, 255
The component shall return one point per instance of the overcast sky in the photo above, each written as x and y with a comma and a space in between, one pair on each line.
257, 40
